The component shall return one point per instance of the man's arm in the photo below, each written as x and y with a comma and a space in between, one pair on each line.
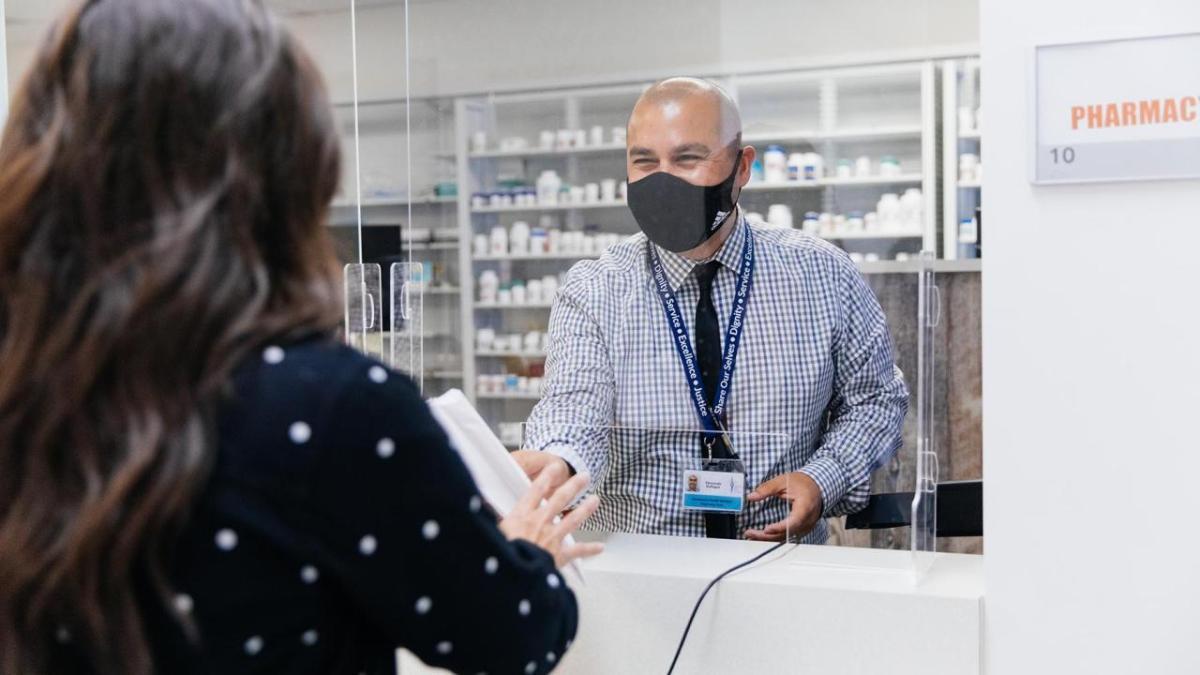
866, 414
573, 417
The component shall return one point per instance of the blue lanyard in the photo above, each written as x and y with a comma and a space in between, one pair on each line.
709, 417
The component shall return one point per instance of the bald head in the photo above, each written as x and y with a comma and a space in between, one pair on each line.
687, 127
678, 96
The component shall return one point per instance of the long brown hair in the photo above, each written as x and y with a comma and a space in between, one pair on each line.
165, 177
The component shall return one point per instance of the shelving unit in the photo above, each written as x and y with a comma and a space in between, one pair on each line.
508, 396
841, 113
908, 179
491, 353
482, 170
389, 215
513, 306
960, 90
535, 257
550, 152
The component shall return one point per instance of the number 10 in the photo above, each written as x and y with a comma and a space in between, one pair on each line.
1064, 156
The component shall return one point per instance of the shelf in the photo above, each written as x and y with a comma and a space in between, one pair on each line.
536, 256
914, 234
444, 375
548, 152
870, 134
970, 135
513, 305
970, 185
557, 207
509, 396
492, 353
380, 202
903, 179
430, 246
913, 266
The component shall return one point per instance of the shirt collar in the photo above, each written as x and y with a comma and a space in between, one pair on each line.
729, 255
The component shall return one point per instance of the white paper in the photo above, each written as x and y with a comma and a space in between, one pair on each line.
500, 479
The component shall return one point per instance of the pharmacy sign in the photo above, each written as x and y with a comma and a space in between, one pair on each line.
1124, 109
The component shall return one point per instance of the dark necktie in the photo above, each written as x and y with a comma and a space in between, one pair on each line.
708, 352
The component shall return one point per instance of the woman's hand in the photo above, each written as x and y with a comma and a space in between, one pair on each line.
536, 517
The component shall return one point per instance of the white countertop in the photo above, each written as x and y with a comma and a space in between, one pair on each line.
802, 609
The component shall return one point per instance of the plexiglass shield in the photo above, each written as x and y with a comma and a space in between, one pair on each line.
685, 482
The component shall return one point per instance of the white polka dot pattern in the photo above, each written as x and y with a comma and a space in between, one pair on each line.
491, 565
309, 574
550, 657
424, 604
552, 580
253, 646
367, 545
227, 539
184, 603
530, 668
385, 448
273, 355
524, 608
299, 432
309, 638
378, 375
475, 504
62, 635
430, 530
444, 647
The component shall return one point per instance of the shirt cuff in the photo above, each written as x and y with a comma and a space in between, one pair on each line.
573, 459
827, 473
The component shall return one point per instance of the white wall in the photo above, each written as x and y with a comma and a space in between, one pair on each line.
482, 45
1090, 383
469, 46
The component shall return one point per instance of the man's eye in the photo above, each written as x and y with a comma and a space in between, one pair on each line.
644, 161
689, 158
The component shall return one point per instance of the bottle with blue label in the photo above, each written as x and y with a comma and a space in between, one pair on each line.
968, 239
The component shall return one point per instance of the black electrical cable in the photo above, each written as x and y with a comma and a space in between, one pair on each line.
722, 575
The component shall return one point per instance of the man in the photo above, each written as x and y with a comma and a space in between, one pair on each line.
817, 402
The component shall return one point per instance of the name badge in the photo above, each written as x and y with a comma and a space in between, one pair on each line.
714, 488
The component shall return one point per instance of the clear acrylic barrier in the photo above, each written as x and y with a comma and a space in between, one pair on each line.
407, 324
661, 481
924, 506
364, 308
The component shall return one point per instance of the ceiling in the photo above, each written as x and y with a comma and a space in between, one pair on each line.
43, 10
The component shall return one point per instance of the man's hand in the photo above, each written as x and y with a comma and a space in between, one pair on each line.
805, 496
535, 463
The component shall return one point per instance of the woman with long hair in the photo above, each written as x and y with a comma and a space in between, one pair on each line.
194, 476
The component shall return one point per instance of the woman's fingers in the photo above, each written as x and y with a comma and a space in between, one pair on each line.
529, 502
577, 551
564, 495
575, 518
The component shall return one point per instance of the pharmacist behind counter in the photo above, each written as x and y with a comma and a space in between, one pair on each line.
766, 341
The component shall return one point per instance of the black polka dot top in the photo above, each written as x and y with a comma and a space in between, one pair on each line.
338, 525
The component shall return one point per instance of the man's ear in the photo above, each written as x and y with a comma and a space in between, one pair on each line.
747, 163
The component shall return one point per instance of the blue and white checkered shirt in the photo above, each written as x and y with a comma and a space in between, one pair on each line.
815, 388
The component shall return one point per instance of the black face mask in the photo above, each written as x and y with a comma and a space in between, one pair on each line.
677, 215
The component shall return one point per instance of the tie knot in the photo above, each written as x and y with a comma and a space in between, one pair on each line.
706, 272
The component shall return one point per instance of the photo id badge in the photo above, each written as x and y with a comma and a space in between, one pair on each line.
715, 485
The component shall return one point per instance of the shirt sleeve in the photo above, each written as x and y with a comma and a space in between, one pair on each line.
866, 413
411, 543
573, 417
